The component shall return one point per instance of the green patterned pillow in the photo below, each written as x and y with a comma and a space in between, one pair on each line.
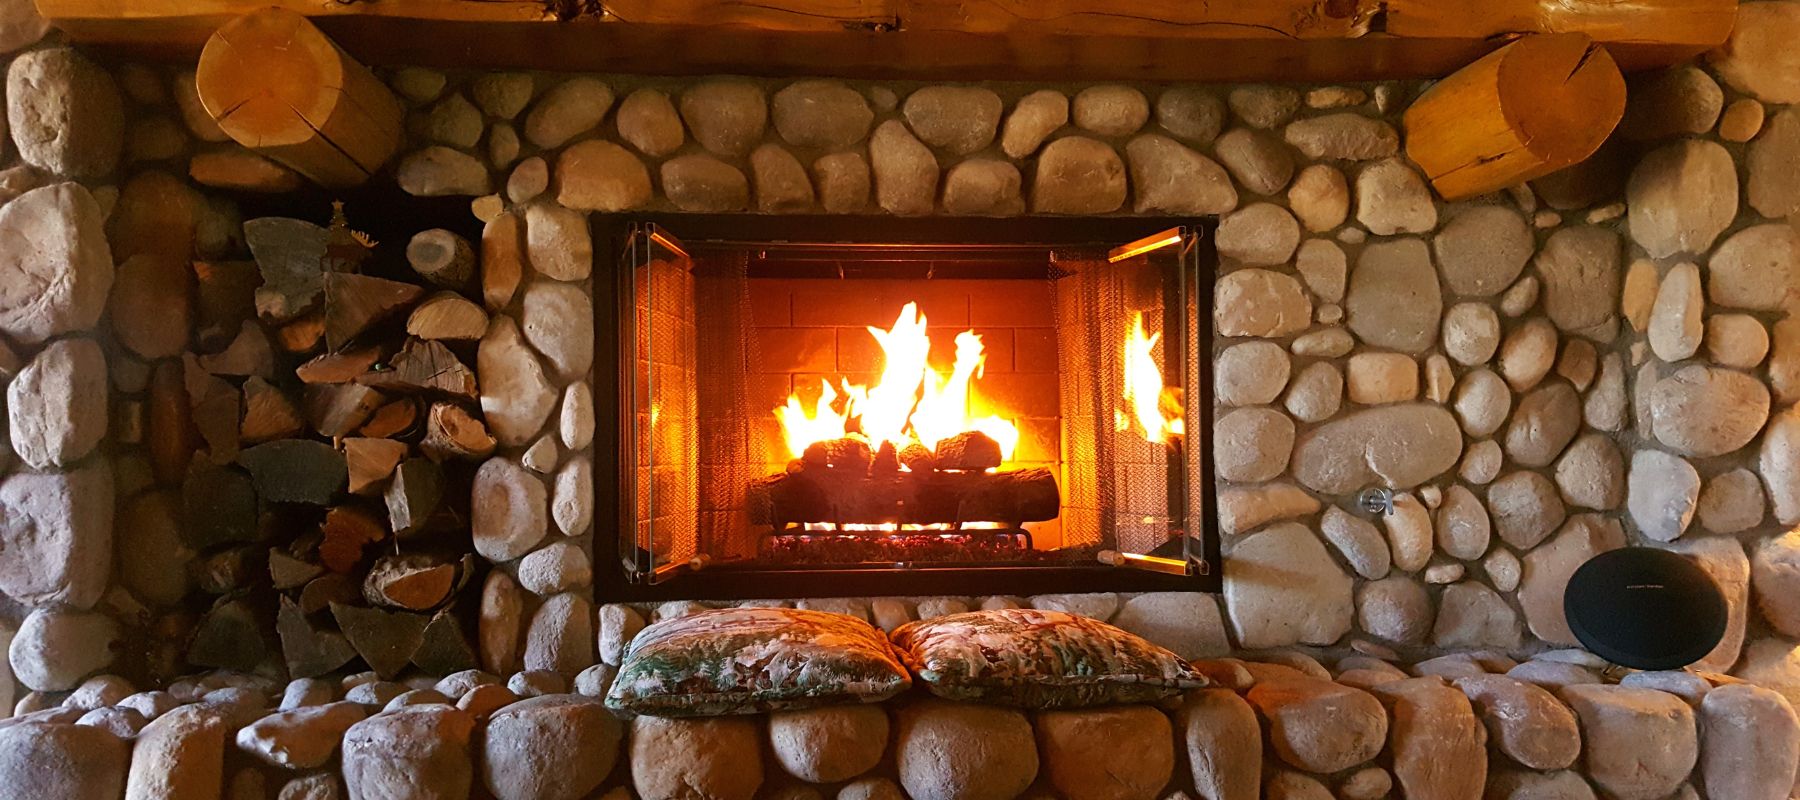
750, 660
1040, 659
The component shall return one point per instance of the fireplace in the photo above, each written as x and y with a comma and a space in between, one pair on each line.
827, 407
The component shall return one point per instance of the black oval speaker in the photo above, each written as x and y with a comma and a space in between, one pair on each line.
1645, 609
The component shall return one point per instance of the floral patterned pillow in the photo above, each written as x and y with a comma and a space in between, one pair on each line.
1040, 659
750, 660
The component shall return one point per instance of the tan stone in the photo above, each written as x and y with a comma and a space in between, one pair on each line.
1115, 753
1224, 745
1320, 726
959, 751
1638, 744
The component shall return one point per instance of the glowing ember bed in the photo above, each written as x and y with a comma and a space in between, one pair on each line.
838, 408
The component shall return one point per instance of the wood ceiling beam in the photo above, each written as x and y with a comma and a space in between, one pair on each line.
1221, 40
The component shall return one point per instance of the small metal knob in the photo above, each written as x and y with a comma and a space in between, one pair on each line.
1376, 501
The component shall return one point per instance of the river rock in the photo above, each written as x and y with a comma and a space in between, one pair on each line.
1639, 744
597, 175
1779, 464
1661, 494
1282, 588
821, 113
1676, 327
1190, 113
65, 113
1732, 502
1471, 333
1604, 408
1481, 402
1187, 624
181, 754
1757, 268
648, 121
829, 745
1516, 784
21, 26
1167, 176
1316, 393
1438, 745
983, 186
1773, 161
1703, 412
1591, 473
1580, 270
1395, 609
1393, 300
959, 119
560, 638
843, 182
906, 173
1078, 175
56, 647
1262, 303
300, 738
1472, 615
1258, 234
1357, 540
727, 117
700, 183
1757, 58
1525, 508
1400, 446
567, 110
56, 532
1750, 743
1320, 197
1463, 529
1246, 508
1392, 198
1525, 722
782, 185
1320, 726
1260, 162
1114, 753
951, 751
1111, 110
439, 171
1736, 340
1408, 532
1544, 422
1033, 119
516, 397
558, 319
1775, 571
1549, 567
1724, 561
1345, 135
59, 285
509, 510
417, 752
61, 760
1224, 744
557, 747
1681, 197
1250, 374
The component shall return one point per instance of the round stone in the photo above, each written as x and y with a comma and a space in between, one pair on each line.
1463, 528
727, 117
1392, 198
1545, 420
1773, 162
1524, 508
1681, 197
1758, 58
60, 284
1395, 609
56, 647
1113, 753
703, 184
1320, 197
905, 171
959, 119
597, 175
1547, 569
1315, 608
1250, 373
1190, 113
1258, 234
1264, 106
65, 112
1732, 502
1757, 268
1676, 101
557, 747
1528, 353
1676, 326
1345, 136
509, 510
1258, 161
1393, 300
1324, 267
1400, 445
1703, 411
1261, 303
1078, 175
1320, 726
1736, 340
829, 745
1316, 392
1591, 473
1524, 721
958, 751
1253, 444
1033, 119
1580, 270
1111, 110
821, 113
1482, 402
1168, 176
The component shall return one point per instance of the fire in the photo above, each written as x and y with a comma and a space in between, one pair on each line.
910, 404
1156, 410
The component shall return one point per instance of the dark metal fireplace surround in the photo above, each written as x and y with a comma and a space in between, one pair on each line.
705, 321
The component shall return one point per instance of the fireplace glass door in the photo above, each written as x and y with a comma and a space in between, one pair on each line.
836, 418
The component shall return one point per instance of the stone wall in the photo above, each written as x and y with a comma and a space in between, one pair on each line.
1599, 358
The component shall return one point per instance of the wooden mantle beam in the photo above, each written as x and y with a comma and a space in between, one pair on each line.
1220, 40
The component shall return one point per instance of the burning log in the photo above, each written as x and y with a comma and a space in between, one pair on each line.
808, 493
969, 450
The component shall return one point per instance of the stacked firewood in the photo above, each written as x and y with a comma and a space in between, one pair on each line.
327, 445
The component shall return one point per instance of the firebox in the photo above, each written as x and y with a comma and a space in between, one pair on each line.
837, 406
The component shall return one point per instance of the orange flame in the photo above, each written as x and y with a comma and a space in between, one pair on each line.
1155, 409
910, 404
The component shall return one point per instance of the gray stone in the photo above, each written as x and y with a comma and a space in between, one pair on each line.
1392, 198
953, 751
1672, 102
301, 738
727, 117
1638, 744
1344, 135
1261, 303
1253, 444
1332, 342
906, 173
1400, 445
1591, 473
1472, 615
1757, 59
1093, 605
516, 397
1033, 119
1246, 508
65, 112
1676, 328
647, 120
1282, 588
502, 94
983, 186
558, 320
572, 503
1224, 744
1111, 110
1258, 160
1732, 502
1773, 163
57, 647
1604, 408
453, 121
1525, 722
821, 113
1393, 300
1703, 412
1187, 624
829, 745
1078, 175
1757, 268
560, 638
1548, 568
439, 171
843, 182
1463, 528
597, 175
1189, 113
1580, 269
782, 186
1264, 106
537, 683
1543, 423
1749, 743
703, 184
959, 119
1525, 508
1662, 493
1320, 197
1258, 234
559, 747
417, 752
1167, 176
1357, 540
1395, 609
509, 513
1250, 373
529, 179
60, 284
65, 761
1471, 333
1681, 197
576, 425
56, 536
558, 567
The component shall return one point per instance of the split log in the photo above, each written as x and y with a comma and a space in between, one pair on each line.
451, 433
394, 420
385, 639
341, 367
277, 85
224, 299
288, 572
424, 366
413, 495
447, 315
268, 414
332, 587
371, 461
337, 410
502, 260
172, 438
346, 532
1524, 111
810, 494
445, 647
303, 335
412, 582
309, 652
355, 302
442, 257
